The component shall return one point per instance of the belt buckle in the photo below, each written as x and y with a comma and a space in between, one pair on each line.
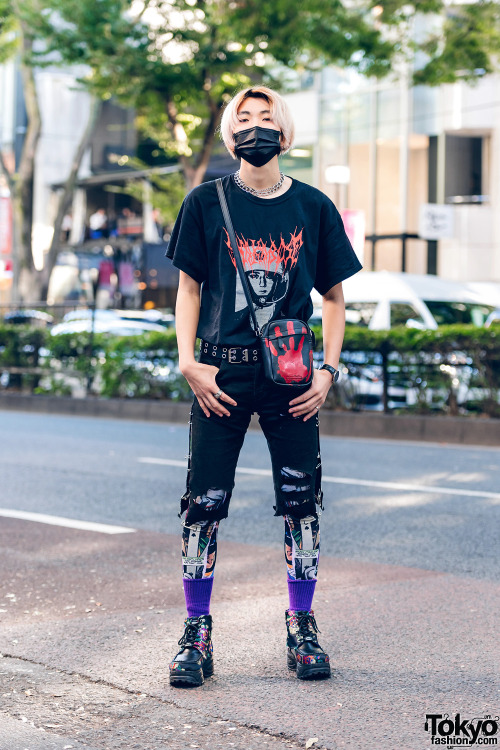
237, 355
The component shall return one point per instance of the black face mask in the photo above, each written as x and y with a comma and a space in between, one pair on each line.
257, 145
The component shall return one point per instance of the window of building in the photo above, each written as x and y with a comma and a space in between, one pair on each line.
464, 173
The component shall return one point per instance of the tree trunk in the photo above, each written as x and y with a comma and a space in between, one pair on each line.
67, 193
17, 246
16, 235
193, 175
208, 144
21, 184
26, 169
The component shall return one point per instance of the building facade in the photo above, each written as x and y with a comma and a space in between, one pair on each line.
383, 151
391, 156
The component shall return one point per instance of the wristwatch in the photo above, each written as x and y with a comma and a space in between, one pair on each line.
333, 372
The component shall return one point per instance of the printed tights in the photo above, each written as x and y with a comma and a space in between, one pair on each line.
302, 541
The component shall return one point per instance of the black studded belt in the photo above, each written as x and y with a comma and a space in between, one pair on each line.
235, 355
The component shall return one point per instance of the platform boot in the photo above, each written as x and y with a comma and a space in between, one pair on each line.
194, 661
304, 653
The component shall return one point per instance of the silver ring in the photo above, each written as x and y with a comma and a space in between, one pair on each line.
218, 395
317, 408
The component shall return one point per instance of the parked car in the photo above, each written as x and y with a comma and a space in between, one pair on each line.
140, 316
86, 313
380, 300
34, 318
105, 321
166, 320
117, 322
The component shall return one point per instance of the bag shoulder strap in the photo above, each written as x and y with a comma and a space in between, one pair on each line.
236, 252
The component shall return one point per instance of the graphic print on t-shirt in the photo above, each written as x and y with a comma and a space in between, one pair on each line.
267, 268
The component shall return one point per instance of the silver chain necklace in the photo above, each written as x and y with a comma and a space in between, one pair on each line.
263, 191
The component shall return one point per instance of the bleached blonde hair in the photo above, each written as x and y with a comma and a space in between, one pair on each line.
280, 114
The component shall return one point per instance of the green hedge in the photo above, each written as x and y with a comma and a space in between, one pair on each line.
438, 366
445, 339
436, 363
141, 366
20, 353
130, 367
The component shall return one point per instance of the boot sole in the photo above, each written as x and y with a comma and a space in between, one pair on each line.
191, 677
320, 671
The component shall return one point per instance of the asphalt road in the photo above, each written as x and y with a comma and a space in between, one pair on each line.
98, 470
406, 602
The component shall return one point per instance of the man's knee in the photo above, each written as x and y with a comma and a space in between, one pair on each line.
212, 504
296, 492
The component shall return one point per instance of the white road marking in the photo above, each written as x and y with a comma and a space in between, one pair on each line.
348, 480
162, 461
412, 487
70, 523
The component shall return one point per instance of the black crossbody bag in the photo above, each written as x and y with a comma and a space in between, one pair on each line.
287, 344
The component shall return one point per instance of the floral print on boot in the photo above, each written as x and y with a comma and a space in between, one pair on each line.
194, 661
305, 655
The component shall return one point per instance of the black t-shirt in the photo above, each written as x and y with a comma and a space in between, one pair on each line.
288, 245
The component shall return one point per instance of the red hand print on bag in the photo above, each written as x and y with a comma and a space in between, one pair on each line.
290, 364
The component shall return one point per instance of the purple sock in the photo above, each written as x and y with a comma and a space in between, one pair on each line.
198, 592
300, 594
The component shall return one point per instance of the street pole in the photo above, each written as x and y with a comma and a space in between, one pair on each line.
404, 144
90, 366
372, 158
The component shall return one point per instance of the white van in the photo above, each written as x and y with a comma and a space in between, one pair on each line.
382, 299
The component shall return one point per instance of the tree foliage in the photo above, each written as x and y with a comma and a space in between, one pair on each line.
467, 47
178, 61
8, 28
427, 362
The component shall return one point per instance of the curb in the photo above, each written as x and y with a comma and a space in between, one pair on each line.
454, 430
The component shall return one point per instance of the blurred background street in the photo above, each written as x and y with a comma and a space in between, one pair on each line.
110, 114
100, 141
406, 600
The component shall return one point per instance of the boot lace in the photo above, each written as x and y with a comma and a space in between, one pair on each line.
191, 631
308, 626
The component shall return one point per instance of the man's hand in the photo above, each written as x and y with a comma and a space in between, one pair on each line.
312, 400
201, 378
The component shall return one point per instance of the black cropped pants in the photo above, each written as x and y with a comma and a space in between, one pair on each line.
215, 444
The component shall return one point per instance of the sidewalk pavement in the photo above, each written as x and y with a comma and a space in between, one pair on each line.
90, 622
423, 428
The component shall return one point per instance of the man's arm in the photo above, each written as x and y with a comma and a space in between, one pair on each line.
333, 325
187, 314
333, 316
200, 377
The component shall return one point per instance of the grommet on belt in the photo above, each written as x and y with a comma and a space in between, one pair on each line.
233, 354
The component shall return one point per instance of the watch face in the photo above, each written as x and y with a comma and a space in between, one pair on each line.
333, 372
